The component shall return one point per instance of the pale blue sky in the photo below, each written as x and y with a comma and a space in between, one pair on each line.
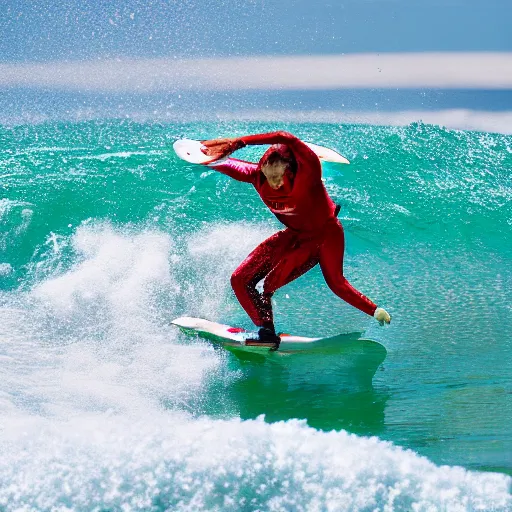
78, 29
138, 59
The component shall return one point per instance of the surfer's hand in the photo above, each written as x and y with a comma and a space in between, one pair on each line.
220, 148
382, 316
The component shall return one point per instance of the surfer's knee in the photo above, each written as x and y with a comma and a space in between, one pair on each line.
269, 288
240, 280
237, 280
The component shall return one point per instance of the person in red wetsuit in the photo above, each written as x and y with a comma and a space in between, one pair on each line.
288, 180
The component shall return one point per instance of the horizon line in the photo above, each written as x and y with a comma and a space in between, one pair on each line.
411, 70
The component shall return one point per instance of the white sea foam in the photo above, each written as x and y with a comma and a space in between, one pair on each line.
15, 218
6, 205
119, 154
101, 401
5, 269
163, 461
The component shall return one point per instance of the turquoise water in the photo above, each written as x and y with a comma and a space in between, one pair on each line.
106, 236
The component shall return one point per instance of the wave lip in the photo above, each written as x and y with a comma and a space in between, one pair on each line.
457, 119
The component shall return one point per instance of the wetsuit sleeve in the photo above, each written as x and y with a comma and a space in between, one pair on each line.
307, 161
239, 170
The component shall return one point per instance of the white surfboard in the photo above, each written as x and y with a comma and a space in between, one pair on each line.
234, 338
190, 151
327, 155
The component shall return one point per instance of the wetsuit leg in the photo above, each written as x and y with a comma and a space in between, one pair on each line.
252, 270
299, 258
331, 263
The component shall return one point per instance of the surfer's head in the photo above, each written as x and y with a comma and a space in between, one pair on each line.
278, 164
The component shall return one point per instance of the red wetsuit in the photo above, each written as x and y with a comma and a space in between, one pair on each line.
313, 234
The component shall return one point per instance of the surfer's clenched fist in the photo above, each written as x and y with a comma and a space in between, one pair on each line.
220, 148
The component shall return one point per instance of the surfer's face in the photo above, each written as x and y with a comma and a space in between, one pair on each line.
275, 172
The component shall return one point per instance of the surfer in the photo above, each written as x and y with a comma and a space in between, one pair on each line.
288, 180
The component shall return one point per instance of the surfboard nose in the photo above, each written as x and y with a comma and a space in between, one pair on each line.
186, 322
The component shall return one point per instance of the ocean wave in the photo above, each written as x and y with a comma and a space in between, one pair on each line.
104, 405
165, 461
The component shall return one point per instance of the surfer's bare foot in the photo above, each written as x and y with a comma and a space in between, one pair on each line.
382, 316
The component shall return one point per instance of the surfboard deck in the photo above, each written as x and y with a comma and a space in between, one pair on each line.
234, 339
190, 151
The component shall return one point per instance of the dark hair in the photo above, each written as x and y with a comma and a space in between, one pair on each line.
278, 156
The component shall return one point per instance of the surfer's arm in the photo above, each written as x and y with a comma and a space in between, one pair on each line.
299, 148
308, 164
307, 161
220, 148
239, 170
